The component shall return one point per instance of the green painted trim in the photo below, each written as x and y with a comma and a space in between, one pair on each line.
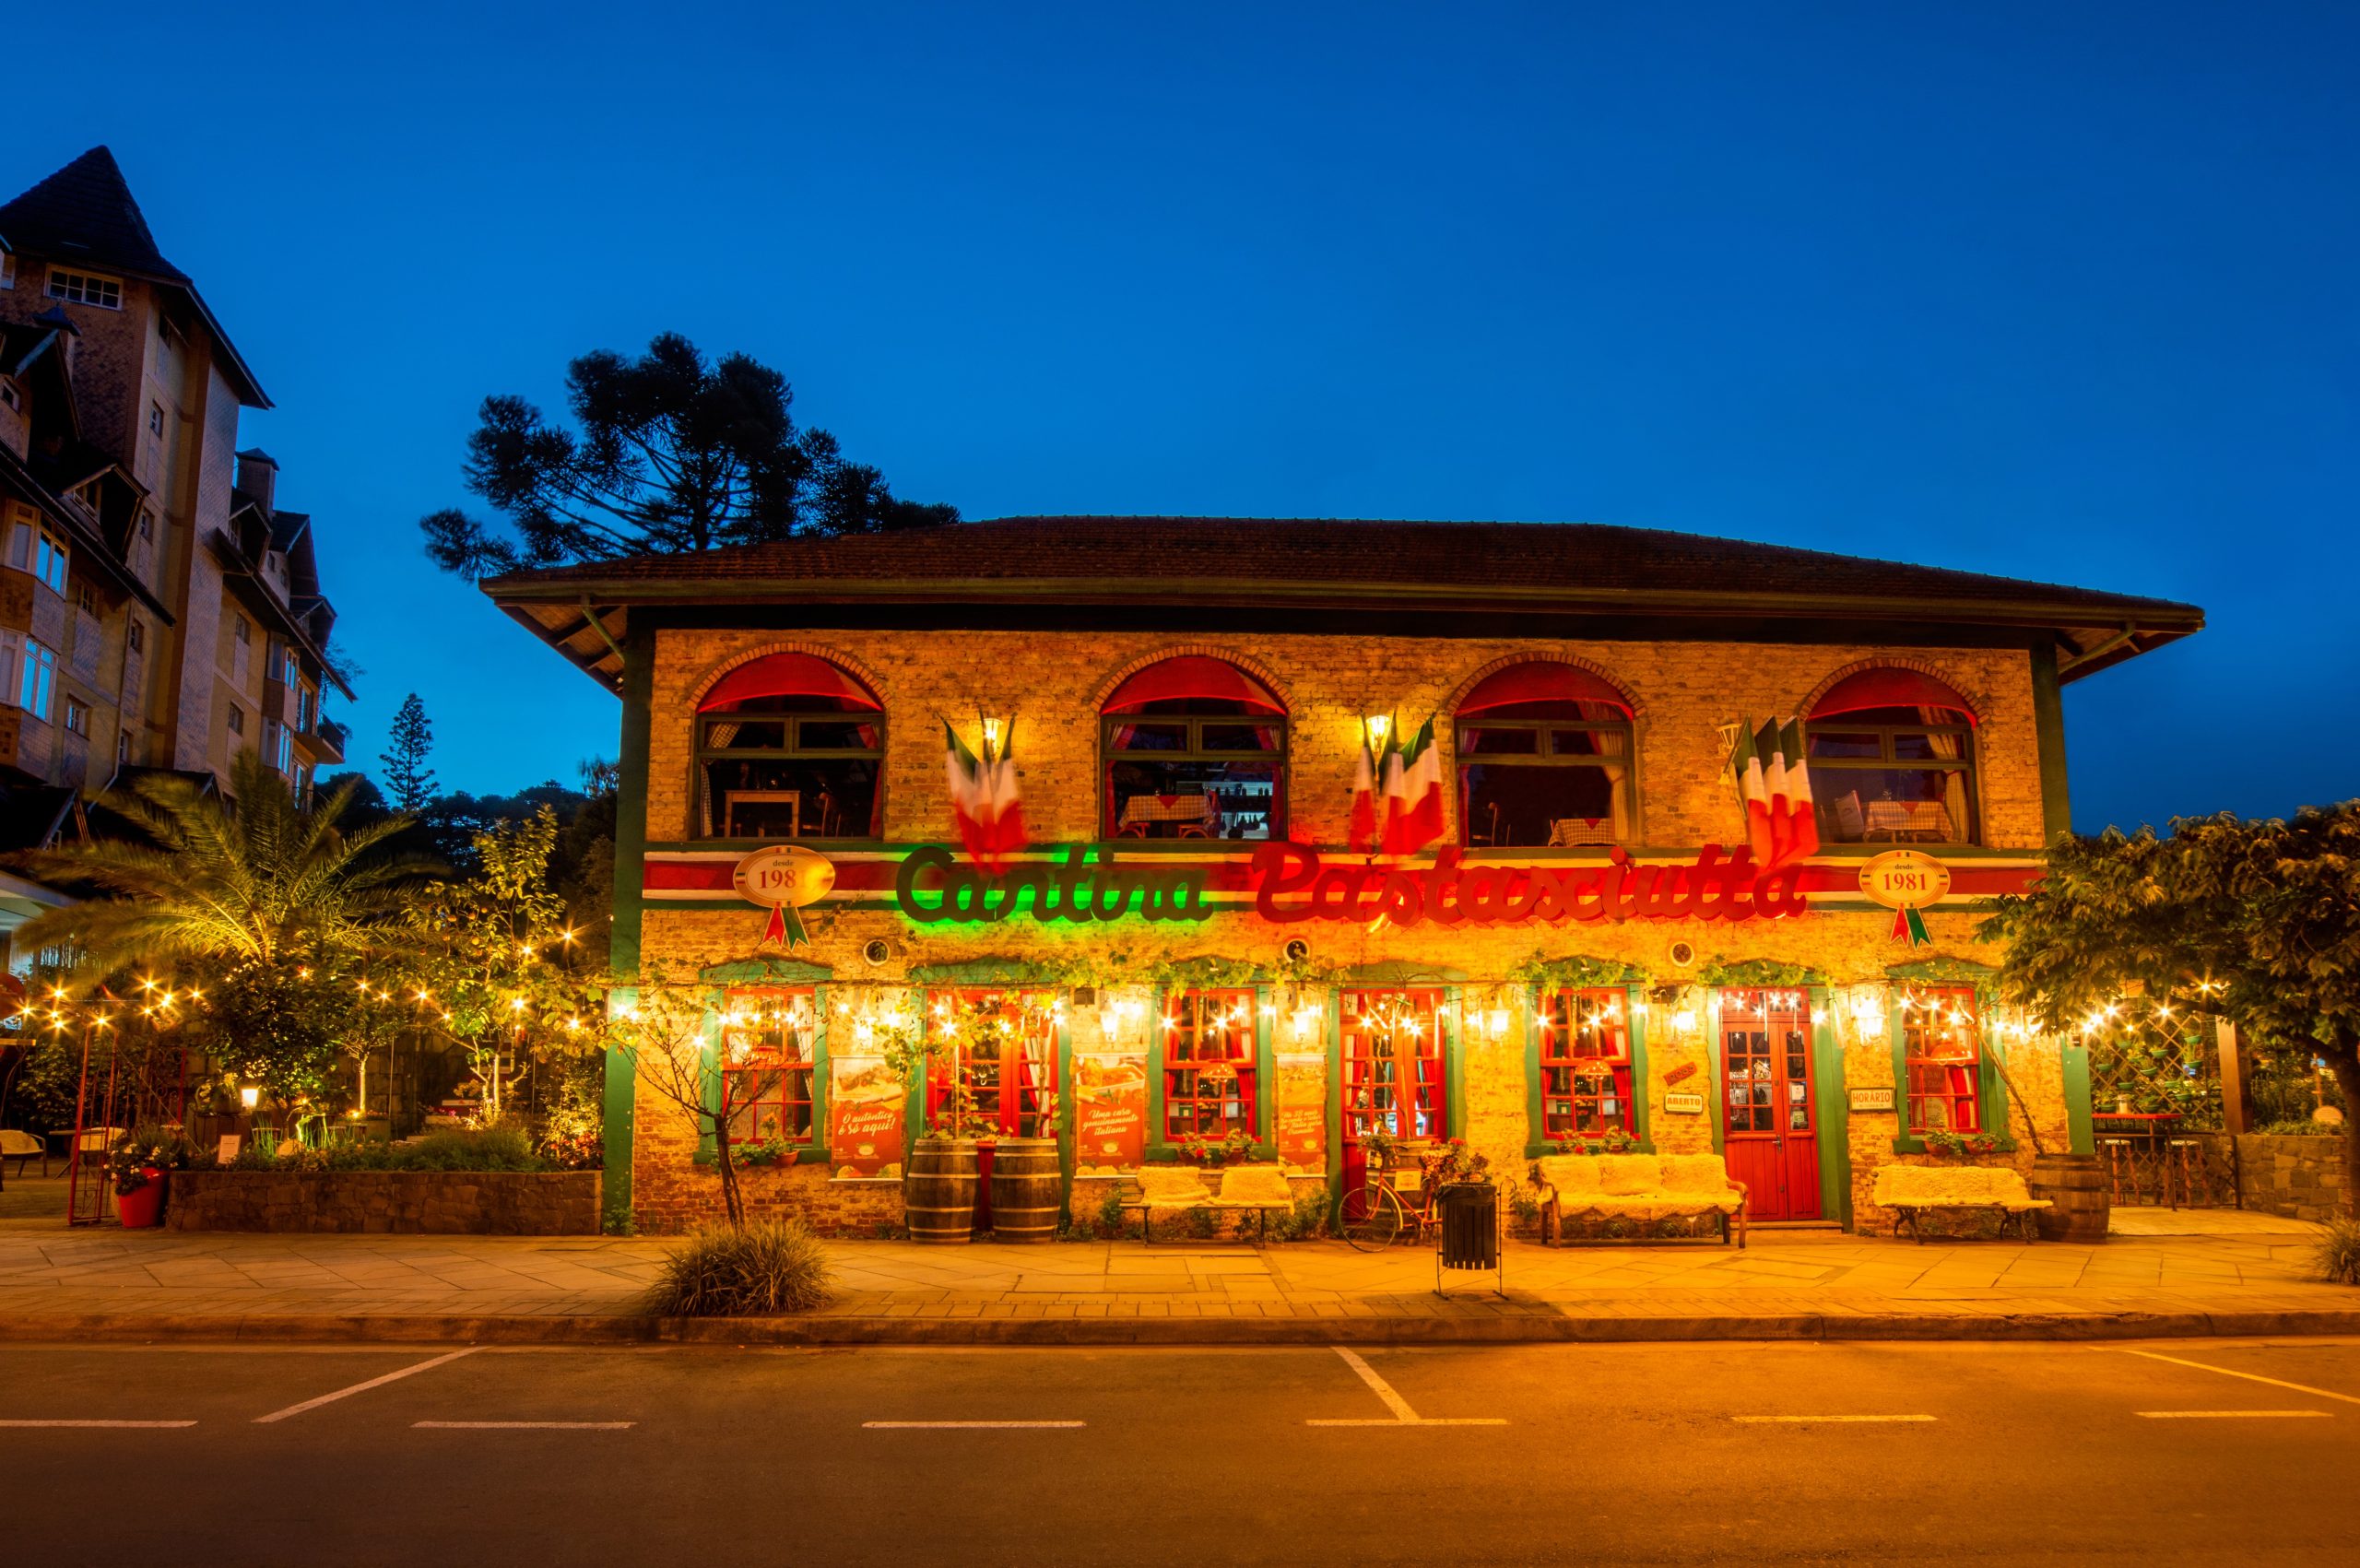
1536, 1129
769, 971
1834, 1115
820, 1073
1155, 1032
1454, 1066
619, 1100
706, 1143
2049, 733
1719, 1111
1334, 1007
1063, 1125
1266, 1071
2080, 1131
633, 742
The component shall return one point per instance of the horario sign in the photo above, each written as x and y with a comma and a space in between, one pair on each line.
1289, 883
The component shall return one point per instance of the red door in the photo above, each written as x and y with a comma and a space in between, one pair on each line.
1769, 1125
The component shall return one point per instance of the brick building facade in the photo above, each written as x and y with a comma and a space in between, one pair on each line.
1185, 699
158, 609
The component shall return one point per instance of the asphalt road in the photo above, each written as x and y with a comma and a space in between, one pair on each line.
1619, 1453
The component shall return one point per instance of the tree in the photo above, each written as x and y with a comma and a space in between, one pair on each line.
407, 774
2128, 937
272, 904
669, 452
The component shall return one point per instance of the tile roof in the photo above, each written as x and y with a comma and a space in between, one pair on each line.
86, 209
1592, 562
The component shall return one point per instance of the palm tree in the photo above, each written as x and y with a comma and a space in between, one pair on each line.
264, 882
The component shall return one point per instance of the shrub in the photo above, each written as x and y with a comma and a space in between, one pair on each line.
771, 1267
2304, 1128
493, 1149
2339, 1253
1307, 1219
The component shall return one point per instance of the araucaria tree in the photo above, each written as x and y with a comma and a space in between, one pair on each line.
272, 905
668, 453
2254, 922
407, 778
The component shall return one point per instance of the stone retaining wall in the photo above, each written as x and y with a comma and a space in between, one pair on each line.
439, 1203
2301, 1178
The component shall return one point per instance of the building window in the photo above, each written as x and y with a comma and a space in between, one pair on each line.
122, 746
147, 524
39, 552
771, 1066
789, 745
237, 720
1209, 1061
155, 418
304, 697
1892, 760
36, 676
240, 631
86, 598
282, 746
1394, 1080
8, 392
1941, 1059
7, 271
77, 718
1584, 1065
136, 635
998, 1049
86, 289
1544, 758
303, 785
1195, 749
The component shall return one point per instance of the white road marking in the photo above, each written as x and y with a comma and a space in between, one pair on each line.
1814, 1420
904, 1425
1402, 1414
2248, 1376
364, 1387
2232, 1415
526, 1426
97, 1423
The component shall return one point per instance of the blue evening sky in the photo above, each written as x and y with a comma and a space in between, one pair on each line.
2059, 291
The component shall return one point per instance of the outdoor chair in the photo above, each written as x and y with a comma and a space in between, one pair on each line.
21, 1147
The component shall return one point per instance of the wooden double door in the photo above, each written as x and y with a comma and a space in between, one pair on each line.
1769, 1118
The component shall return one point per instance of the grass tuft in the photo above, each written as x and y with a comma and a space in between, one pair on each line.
2339, 1253
771, 1267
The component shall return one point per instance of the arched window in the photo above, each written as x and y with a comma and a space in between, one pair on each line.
1195, 749
1892, 760
789, 746
1544, 758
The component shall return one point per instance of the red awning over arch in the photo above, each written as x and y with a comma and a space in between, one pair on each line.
1543, 680
1889, 688
1197, 677
787, 675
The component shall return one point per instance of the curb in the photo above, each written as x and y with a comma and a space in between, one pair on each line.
850, 1330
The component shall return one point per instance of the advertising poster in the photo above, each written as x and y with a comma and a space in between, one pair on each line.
865, 1116
1302, 1122
1110, 1114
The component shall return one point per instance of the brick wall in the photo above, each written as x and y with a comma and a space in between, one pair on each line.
1054, 684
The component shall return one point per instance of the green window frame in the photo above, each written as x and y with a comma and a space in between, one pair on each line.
1161, 1150
1990, 1095
1635, 1023
813, 1150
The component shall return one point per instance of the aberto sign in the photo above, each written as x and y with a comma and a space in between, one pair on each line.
1291, 883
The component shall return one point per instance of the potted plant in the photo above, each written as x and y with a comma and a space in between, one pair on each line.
139, 1165
1959, 1146
1213, 1153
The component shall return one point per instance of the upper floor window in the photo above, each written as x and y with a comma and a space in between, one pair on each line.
7, 271
1544, 758
136, 635
147, 524
1892, 760
240, 629
86, 289
39, 552
86, 598
35, 673
237, 720
789, 745
155, 418
77, 718
1195, 749
8, 392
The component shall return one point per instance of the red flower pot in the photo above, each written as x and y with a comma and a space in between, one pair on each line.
142, 1209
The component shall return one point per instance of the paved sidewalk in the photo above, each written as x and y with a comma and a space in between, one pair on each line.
2220, 1273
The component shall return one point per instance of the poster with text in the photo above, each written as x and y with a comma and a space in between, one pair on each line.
864, 1116
1302, 1113
1110, 1114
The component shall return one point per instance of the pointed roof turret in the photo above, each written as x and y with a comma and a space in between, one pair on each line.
86, 209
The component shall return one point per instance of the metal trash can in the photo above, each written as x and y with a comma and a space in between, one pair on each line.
1471, 1230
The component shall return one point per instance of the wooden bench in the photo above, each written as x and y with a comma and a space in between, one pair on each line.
1914, 1191
1642, 1187
1181, 1189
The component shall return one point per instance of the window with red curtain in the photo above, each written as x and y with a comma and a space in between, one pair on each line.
1584, 1064
1003, 1046
769, 1064
1941, 1057
1544, 759
1195, 749
789, 746
1209, 1078
1393, 1067
1892, 758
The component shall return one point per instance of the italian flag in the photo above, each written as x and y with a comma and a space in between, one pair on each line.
1414, 794
983, 800
1774, 780
1363, 838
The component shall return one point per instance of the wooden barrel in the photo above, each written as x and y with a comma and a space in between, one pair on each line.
939, 1189
2076, 1184
1028, 1189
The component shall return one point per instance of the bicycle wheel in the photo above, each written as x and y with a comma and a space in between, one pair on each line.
1372, 1218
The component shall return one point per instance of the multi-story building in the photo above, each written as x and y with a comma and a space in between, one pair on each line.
1578, 945
158, 609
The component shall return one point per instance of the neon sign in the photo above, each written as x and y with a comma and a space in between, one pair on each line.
1291, 883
